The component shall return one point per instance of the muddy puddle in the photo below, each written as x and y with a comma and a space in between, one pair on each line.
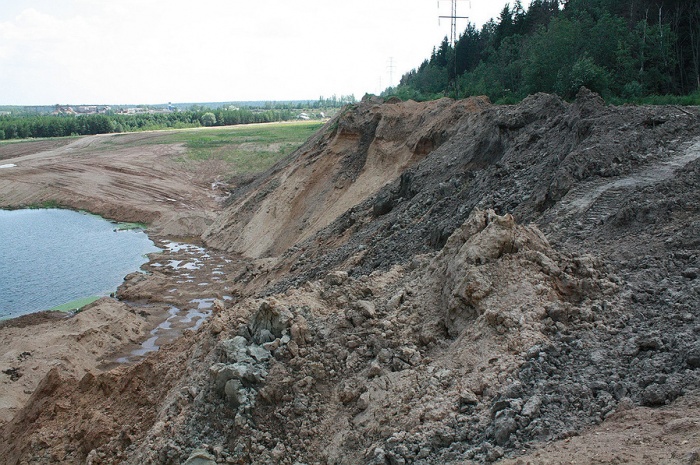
190, 264
178, 320
192, 278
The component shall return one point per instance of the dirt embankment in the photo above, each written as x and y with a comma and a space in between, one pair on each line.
76, 344
359, 153
447, 282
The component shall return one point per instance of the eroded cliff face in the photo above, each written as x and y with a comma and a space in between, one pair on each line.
357, 154
442, 282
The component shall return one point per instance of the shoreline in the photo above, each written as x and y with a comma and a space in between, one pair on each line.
121, 180
114, 331
78, 303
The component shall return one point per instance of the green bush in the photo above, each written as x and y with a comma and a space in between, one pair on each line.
584, 73
208, 119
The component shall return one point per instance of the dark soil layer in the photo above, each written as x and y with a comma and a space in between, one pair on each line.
513, 276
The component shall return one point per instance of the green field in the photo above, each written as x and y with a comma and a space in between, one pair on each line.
249, 148
245, 148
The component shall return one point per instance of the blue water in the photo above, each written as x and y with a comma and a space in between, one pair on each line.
50, 257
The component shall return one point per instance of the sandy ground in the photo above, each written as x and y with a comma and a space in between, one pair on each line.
119, 176
168, 398
73, 344
185, 284
127, 178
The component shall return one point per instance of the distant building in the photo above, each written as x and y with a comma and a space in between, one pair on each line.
133, 111
63, 110
86, 109
81, 110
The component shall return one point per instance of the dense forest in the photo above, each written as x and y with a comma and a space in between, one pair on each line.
626, 50
27, 124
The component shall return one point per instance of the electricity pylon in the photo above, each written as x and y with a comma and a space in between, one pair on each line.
453, 35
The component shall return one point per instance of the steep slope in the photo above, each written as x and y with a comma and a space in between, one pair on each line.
359, 153
447, 282
521, 159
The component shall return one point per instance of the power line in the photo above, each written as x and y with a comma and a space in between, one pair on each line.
453, 17
391, 67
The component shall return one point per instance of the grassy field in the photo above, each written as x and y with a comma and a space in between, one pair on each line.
231, 150
246, 148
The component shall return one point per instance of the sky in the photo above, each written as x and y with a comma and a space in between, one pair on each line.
180, 51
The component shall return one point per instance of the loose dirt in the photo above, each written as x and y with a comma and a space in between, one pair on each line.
441, 282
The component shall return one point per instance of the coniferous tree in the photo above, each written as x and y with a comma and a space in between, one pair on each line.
621, 48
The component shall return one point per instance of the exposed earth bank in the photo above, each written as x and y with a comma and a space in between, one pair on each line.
440, 282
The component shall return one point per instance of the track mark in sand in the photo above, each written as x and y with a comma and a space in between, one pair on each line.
122, 187
68, 169
129, 171
601, 198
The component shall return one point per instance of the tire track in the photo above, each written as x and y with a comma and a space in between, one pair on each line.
592, 203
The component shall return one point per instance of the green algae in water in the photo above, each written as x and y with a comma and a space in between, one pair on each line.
130, 226
75, 305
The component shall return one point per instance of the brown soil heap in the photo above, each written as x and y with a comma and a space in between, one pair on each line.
439, 282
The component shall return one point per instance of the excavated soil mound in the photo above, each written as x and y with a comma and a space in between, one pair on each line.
356, 155
442, 282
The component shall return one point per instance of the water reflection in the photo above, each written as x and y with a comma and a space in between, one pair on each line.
177, 322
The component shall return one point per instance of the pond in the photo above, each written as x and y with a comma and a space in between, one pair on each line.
49, 257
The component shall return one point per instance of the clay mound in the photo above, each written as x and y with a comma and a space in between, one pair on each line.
534, 160
472, 285
360, 151
371, 369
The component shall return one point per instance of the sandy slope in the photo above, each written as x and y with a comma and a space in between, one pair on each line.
75, 345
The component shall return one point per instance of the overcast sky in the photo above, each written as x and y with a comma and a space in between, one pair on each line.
159, 51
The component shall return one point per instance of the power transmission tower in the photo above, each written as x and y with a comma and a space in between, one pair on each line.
391, 71
453, 17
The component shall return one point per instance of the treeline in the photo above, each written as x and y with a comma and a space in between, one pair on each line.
623, 49
322, 104
32, 125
